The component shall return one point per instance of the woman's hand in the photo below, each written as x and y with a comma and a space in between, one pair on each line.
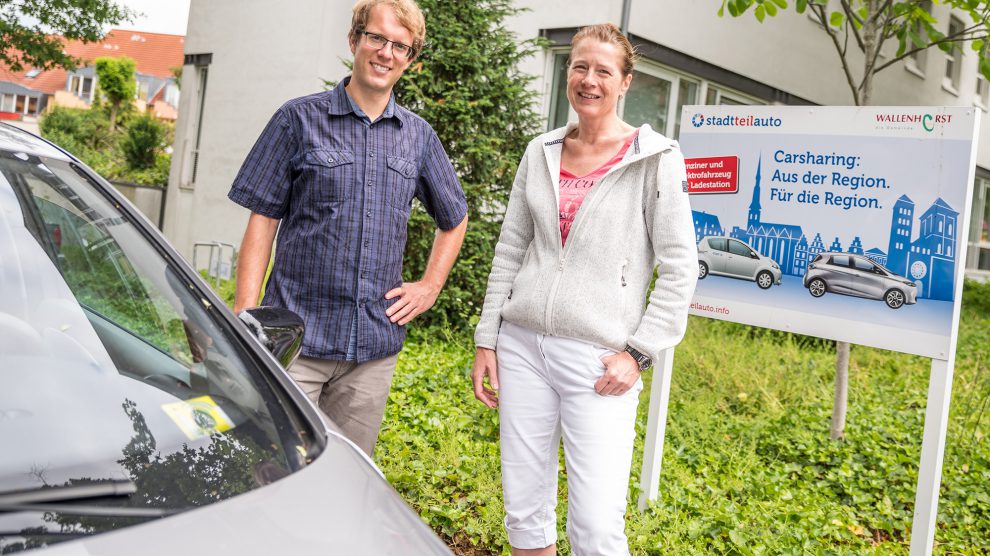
485, 365
621, 374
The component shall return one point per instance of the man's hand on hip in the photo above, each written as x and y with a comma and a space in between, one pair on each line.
414, 298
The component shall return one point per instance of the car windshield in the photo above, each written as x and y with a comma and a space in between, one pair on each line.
114, 369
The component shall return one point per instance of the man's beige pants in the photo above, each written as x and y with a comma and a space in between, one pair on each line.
352, 394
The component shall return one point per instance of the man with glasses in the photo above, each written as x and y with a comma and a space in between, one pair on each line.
335, 174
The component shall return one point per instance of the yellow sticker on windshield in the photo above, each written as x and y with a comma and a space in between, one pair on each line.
199, 417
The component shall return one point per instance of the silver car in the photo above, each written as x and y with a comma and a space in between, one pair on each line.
725, 256
860, 276
138, 415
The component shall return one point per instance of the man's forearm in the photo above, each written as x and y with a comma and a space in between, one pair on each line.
446, 246
252, 263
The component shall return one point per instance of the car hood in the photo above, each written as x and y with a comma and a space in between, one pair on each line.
336, 505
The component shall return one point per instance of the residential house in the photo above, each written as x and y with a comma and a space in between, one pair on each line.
31, 91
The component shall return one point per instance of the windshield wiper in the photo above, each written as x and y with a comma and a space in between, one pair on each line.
68, 493
62, 499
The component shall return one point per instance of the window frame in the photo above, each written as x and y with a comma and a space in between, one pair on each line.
953, 59
975, 240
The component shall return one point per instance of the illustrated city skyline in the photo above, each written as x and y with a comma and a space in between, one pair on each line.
929, 260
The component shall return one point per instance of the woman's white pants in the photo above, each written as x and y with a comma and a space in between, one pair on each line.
546, 390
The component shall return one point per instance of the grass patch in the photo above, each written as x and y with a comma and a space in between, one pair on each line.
748, 466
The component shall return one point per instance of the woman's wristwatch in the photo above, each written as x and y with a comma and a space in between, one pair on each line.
641, 358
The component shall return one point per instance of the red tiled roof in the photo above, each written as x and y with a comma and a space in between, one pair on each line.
154, 54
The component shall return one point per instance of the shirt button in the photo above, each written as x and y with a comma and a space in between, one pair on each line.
369, 214
372, 155
361, 304
369, 184
330, 160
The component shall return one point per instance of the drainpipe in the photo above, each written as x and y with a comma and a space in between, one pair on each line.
624, 26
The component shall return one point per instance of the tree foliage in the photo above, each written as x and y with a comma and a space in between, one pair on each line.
868, 25
141, 141
467, 85
30, 29
115, 80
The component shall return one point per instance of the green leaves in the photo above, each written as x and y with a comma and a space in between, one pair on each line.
836, 19
29, 29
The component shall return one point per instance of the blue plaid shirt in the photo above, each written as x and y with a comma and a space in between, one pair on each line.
343, 190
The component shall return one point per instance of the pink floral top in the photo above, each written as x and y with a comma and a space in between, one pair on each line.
573, 189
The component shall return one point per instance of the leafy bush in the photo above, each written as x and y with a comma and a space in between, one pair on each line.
141, 142
132, 156
81, 132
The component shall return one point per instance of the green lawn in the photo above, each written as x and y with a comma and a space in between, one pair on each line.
748, 465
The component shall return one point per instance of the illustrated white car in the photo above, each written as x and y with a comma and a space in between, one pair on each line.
860, 276
138, 415
725, 256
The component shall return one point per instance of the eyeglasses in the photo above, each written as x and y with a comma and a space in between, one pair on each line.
378, 42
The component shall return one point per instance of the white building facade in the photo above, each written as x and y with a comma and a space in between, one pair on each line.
244, 58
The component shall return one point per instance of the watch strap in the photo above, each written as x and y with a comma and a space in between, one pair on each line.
641, 358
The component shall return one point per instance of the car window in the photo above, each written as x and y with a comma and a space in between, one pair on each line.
717, 243
840, 260
739, 248
863, 264
125, 370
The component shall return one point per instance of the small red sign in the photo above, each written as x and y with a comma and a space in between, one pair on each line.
10, 116
712, 174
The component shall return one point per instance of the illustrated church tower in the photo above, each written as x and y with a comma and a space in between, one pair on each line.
899, 246
754, 207
932, 257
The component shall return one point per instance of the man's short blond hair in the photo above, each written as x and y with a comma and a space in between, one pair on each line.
406, 11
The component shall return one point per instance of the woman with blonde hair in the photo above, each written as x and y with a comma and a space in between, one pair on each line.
564, 334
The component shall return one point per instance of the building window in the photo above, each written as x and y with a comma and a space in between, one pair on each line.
7, 103
81, 86
916, 62
192, 143
687, 93
953, 58
143, 90
978, 258
559, 106
86, 88
982, 97
647, 101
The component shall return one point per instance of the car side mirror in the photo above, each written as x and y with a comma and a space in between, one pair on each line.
279, 330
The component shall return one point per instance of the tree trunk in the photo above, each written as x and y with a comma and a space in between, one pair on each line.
838, 429
113, 116
842, 349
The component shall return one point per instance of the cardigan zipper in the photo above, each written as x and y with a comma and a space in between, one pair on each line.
555, 285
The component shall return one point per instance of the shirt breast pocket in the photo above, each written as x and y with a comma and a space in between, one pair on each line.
328, 175
400, 182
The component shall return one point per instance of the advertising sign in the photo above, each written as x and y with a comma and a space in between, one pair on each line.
846, 223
